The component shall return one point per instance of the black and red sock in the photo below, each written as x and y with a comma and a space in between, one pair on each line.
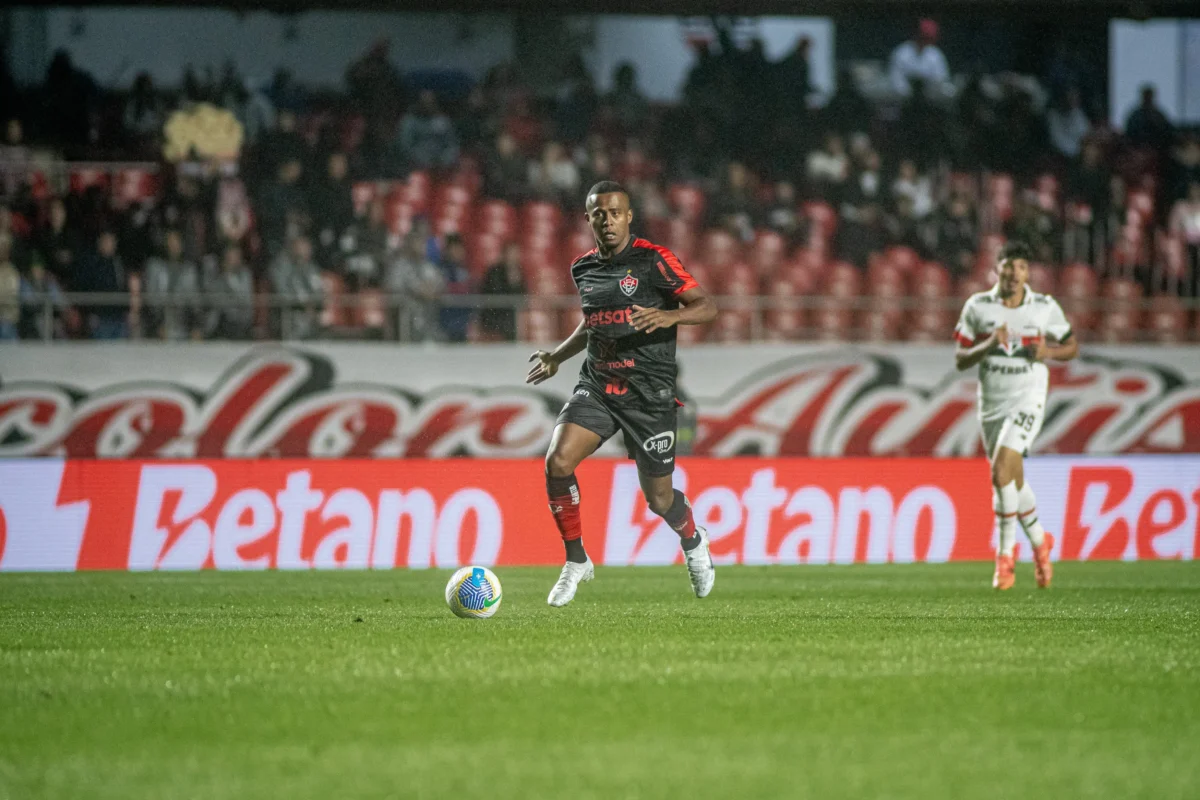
563, 494
679, 517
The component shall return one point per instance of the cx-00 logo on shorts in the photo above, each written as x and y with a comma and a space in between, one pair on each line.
660, 443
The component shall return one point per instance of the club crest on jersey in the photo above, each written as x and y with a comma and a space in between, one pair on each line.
628, 284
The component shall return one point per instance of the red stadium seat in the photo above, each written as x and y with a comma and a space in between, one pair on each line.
719, 248
769, 248
832, 322
371, 311
541, 216
362, 194
1000, 189
680, 237
418, 190
1119, 325
1078, 281
498, 217
931, 281
537, 325
971, 284
739, 279
483, 250
1041, 279
842, 280
579, 241
1167, 320
687, 201
1141, 203
333, 314
905, 258
692, 334
1121, 292
823, 217
732, 326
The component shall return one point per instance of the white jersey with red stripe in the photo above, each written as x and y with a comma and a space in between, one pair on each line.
1008, 379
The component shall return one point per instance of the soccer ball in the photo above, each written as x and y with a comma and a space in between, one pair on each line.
473, 592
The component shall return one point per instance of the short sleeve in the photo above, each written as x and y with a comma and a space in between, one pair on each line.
669, 276
967, 329
1057, 326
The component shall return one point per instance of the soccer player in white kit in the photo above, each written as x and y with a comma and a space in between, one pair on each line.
1009, 332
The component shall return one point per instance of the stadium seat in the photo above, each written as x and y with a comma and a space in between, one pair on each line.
842, 280
333, 313
1140, 202
498, 217
769, 249
541, 216
1118, 325
1166, 322
362, 194
905, 258
1121, 292
823, 217
1042, 279
1078, 280
720, 248
734, 324
930, 281
537, 325
692, 334
370, 312
483, 250
687, 201
739, 280
680, 238
1000, 189
418, 190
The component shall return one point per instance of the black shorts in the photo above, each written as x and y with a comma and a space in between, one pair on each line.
649, 435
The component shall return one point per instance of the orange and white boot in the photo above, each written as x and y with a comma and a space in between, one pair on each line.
1043, 570
1005, 576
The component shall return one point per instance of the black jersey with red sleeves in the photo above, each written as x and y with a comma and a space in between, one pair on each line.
629, 367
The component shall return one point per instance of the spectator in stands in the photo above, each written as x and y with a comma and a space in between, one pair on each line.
172, 293
1148, 126
331, 203
59, 243
1068, 124
454, 316
418, 283
917, 188
229, 293
735, 207
1021, 139
233, 213
1185, 167
101, 270
956, 236
376, 90
426, 138
506, 172
10, 291
282, 207
867, 185
144, 115
1185, 224
828, 169
555, 178
860, 235
905, 228
627, 101
506, 280
575, 102
848, 110
782, 215
188, 207
920, 59
1036, 226
296, 280
476, 124
39, 288
791, 83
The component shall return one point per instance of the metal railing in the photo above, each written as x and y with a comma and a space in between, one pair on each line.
544, 319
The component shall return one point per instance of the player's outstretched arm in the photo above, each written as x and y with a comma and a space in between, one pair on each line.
967, 357
695, 308
547, 362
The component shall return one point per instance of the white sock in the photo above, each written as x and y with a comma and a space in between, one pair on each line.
1027, 516
1005, 501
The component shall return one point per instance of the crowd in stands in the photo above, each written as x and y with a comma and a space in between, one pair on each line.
422, 212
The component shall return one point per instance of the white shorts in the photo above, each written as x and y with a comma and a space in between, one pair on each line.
1015, 431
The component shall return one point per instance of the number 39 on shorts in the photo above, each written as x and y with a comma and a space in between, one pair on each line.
1024, 420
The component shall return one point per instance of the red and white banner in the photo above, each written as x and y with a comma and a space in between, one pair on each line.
385, 401
300, 514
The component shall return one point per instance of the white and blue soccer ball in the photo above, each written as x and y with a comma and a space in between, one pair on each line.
474, 592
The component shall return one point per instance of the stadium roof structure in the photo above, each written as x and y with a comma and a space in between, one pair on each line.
1132, 9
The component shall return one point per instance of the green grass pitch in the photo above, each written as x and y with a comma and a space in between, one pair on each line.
822, 682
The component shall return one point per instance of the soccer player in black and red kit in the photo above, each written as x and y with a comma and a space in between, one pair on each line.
633, 293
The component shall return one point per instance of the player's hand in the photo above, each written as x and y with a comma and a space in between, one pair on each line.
648, 320
1038, 350
543, 370
1001, 336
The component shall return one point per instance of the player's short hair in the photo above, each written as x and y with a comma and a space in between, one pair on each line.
607, 187
1013, 251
